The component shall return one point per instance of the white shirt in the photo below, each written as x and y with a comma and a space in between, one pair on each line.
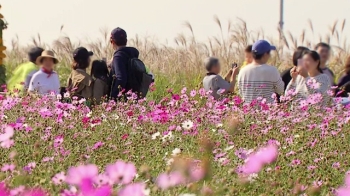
304, 87
43, 84
256, 81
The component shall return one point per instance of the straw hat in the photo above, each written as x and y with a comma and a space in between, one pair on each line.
47, 54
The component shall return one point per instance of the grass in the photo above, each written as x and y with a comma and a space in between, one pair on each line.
182, 65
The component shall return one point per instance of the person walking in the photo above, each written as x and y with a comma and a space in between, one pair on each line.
127, 73
22, 75
80, 83
99, 71
46, 80
309, 78
214, 82
259, 80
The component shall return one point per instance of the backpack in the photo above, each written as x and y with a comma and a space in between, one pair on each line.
138, 80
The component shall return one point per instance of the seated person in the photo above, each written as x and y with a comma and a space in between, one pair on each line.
214, 82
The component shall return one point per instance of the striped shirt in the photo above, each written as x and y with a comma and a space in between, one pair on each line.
256, 81
304, 87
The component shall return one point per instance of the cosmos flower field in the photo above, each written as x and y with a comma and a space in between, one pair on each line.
186, 144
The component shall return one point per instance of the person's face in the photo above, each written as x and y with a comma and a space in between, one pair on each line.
309, 63
248, 57
324, 53
48, 63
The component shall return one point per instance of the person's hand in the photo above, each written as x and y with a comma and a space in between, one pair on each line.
302, 71
235, 71
294, 73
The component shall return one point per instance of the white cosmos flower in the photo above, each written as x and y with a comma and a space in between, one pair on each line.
155, 135
89, 114
252, 177
229, 148
170, 161
219, 125
187, 125
297, 136
176, 151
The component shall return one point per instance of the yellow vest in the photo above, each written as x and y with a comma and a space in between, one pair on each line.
19, 76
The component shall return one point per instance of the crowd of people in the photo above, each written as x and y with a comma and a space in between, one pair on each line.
257, 80
124, 73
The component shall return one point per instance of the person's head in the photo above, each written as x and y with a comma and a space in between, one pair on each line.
312, 61
324, 50
261, 51
212, 65
118, 38
347, 66
81, 58
298, 54
47, 60
34, 53
248, 54
99, 69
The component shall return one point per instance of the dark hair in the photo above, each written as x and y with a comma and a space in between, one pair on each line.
99, 70
210, 62
322, 44
34, 53
298, 54
347, 65
81, 64
120, 42
248, 49
316, 57
259, 56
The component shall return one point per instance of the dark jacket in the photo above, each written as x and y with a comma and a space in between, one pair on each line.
343, 86
119, 73
285, 75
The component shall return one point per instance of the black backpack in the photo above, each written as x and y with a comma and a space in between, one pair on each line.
138, 80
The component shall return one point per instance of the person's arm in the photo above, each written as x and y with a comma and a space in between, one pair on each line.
120, 75
278, 83
228, 76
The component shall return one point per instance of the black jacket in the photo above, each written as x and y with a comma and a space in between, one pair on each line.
119, 75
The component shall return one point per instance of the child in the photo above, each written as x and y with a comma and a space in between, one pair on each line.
248, 56
99, 71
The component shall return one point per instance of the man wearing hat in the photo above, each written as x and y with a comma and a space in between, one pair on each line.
120, 60
259, 80
22, 74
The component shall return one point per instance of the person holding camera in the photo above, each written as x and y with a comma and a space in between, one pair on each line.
214, 82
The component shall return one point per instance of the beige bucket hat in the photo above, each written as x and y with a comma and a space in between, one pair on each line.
47, 54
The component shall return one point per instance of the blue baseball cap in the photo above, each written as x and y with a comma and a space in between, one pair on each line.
262, 47
118, 34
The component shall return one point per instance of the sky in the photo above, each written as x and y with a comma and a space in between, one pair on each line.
162, 19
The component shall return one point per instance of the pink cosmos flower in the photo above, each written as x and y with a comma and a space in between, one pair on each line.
121, 172
59, 178
75, 175
165, 181
136, 189
342, 191
8, 167
5, 138
17, 191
